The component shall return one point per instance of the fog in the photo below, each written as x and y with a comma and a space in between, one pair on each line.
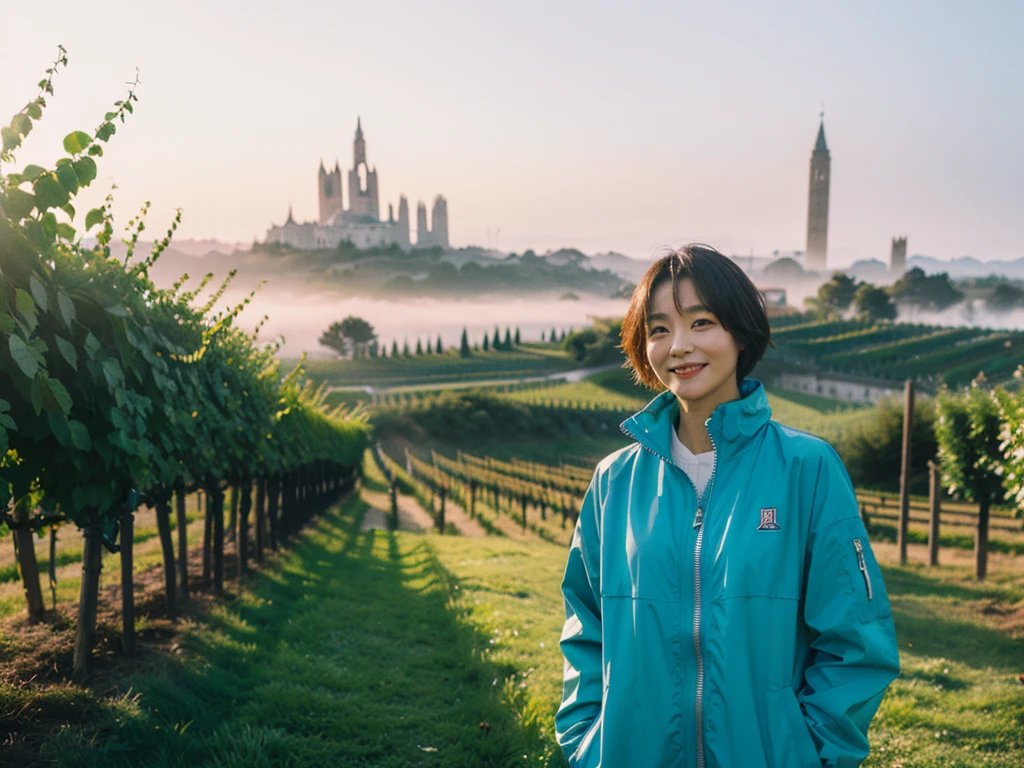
301, 317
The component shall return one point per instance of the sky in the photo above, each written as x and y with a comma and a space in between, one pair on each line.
597, 125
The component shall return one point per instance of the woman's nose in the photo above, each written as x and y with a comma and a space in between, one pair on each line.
682, 342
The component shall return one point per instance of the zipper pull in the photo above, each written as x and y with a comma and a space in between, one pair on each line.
698, 521
863, 566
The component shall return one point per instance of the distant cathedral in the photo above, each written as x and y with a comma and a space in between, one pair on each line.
817, 205
361, 223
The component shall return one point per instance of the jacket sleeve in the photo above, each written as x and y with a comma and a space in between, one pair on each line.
578, 720
853, 650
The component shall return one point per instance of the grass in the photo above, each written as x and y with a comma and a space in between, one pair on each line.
366, 648
525, 360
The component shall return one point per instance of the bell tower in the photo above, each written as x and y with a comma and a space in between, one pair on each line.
817, 204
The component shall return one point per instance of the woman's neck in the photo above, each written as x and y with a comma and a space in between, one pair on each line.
691, 429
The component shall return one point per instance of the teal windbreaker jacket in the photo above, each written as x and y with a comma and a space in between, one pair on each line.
748, 628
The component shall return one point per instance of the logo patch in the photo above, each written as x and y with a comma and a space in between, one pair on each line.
768, 520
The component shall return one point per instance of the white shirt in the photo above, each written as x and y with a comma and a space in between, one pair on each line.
697, 466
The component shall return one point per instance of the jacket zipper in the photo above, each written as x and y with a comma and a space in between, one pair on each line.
862, 564
698, 523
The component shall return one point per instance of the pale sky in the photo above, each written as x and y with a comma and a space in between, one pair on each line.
605, 126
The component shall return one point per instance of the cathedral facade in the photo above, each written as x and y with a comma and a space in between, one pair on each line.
360, 223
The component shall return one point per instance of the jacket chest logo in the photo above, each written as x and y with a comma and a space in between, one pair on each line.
768, 522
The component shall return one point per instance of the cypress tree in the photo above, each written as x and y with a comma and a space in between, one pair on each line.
554, 335
542, 335
394, 349
496, 341
405, 348
419, 347
440, 346
517, 336
508, 340
464, 345
487, 344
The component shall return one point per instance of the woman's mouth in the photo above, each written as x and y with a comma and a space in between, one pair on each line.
688, 371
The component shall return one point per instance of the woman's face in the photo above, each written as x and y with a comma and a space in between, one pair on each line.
691, 353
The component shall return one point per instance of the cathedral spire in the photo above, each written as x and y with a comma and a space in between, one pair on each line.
359, 127
291, 220
820, 145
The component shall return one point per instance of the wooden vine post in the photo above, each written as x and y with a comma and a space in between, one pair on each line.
908, 413
934, 503
127, 582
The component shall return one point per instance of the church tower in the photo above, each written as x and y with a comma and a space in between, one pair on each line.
423, 238
329, 186
403, 223
363, 201
898, 260
817, 204
439, 222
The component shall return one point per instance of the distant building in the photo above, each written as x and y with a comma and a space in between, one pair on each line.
855, 389
817, 205
898, 262
360, 223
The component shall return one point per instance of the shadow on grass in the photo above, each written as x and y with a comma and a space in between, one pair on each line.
346, 652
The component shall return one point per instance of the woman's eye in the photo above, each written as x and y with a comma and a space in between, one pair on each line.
658, 329
703, 320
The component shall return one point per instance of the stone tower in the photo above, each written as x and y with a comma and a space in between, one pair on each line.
898, 262
403, 223
329, 185
423, 238
439, 222
362, 182
817, 204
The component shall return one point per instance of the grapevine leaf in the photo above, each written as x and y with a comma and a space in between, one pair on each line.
76, 141
38, 292
69, 209
85, 169
21, 124
66, 231
34, 111
80, 437
93, 217
67, 178
67, 351
33, 172
96, 151
19, 203
106, 131
49, 192
67, 308
22, 356
10, 137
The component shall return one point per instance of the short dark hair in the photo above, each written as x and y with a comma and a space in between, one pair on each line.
721, 286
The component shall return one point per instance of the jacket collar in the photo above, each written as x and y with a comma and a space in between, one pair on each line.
730, 426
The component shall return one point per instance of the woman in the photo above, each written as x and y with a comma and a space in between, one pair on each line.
723, 605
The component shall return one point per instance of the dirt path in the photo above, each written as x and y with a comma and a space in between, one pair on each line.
411, 516
464, 524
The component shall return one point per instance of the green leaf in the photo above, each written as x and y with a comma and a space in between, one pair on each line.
23, 356
67, 308
92, 345
60, 394
33, 172
112, 372
26, 308
76, 141
93, 217
66, 231
49, 192
38, 393
7, 324
106, 131
96, 151
67, 351
38, 292
69, 209
21, 124
67, 178
34, 111
59, 428
10, 137
85, 170
80, 436
19, 203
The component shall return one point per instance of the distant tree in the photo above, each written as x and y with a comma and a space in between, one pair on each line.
834, 296
542, 335
394, 348
464, 345
970, 458
507, 345
405, 348
419, 347
932, 292
487, 343
440, 347
874, 303
384, 351
350, 337
496, 341
1004, 297
372, 350
517, 342
553, 338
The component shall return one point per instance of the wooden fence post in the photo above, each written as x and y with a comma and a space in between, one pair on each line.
933, 509
440, 517
394, 505
908, 414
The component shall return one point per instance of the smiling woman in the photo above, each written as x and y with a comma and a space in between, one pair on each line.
786, 630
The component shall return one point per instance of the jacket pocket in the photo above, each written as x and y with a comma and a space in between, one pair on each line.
863, 575
789, 744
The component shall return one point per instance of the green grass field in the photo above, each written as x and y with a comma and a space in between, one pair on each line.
366, 648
